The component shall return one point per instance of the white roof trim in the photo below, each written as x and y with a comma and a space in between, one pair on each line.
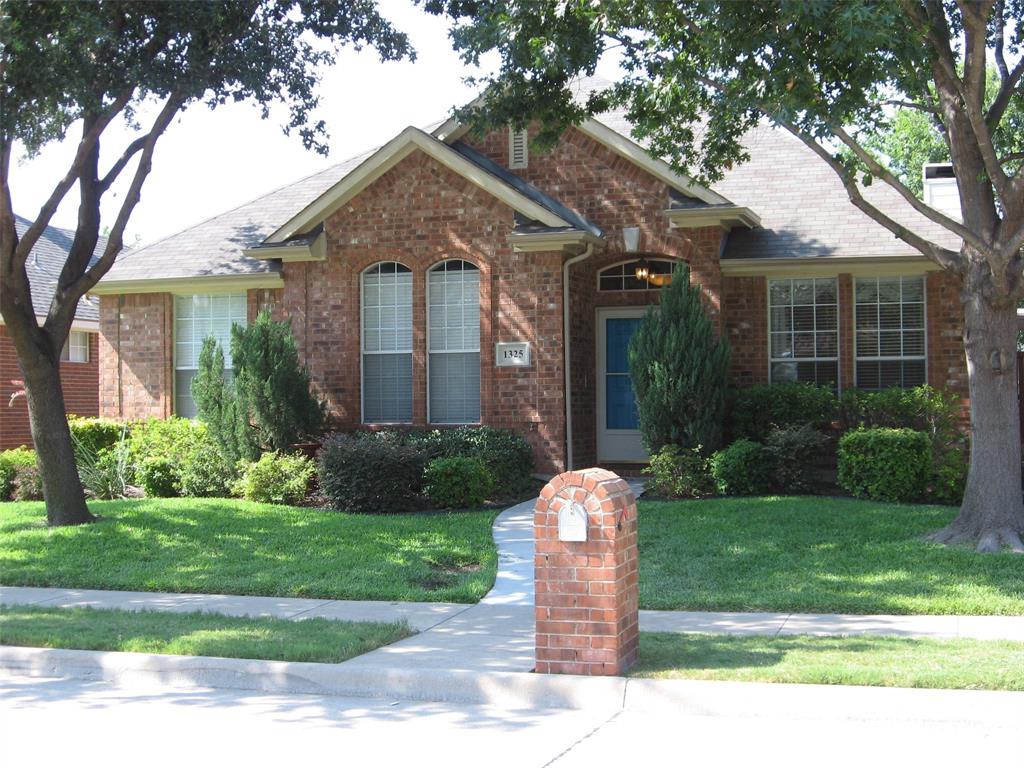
388, 156
88, 326
527, 242
726, 216
188, 285
639, 156
314, 251
452, 130
828, 266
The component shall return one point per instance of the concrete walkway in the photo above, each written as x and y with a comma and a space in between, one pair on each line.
497, 633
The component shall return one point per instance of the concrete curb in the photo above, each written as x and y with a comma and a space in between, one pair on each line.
516, 690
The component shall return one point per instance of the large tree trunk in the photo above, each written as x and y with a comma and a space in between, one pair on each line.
62, 489
992, 513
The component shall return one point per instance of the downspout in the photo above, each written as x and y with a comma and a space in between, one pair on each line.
568, 351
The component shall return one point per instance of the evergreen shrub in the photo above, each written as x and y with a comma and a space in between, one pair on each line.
28, 484
159, 477
793, 452
90, 435
742, 469
678, 365
680, 473
457, 481
884, 464
10, 461
276, 478
506, 454
759, 409
369, 474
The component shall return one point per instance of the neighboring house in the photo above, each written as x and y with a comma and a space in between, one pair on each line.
450, 279
79, 368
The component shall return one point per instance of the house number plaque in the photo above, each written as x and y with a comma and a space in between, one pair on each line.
512, 354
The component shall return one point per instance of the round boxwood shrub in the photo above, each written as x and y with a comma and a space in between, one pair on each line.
276, 478
457, 481
158, 477
204, 472
884, 464
759, 409
742, 469
680, 473
506, 454
10, 461
793, 452
28, 484
359, 474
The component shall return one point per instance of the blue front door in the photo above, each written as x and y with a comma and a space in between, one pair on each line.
618, 433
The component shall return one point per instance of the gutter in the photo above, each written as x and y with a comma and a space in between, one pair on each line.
587, 252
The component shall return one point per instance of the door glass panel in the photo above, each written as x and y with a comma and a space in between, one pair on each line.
620, 402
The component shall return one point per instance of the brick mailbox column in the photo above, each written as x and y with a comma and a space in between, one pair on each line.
585, 529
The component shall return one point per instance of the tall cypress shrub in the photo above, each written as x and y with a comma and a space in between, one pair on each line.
679, 366
217, 405
272, 386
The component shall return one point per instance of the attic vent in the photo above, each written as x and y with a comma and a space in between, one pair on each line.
518, 148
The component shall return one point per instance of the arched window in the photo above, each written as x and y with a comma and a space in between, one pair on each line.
387, 343
453, 343
623, 277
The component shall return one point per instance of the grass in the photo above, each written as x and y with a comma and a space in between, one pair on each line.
244, 548
816, 555
863, 660
194, 634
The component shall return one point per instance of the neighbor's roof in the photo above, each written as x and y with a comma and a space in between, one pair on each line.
45, 263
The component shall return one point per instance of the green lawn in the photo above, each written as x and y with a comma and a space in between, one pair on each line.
816, 555
862, 660
245, 548
194, 634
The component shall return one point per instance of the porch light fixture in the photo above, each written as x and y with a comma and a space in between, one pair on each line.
643, 270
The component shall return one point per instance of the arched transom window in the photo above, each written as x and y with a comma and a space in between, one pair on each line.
387, 343
453, 342
623, 277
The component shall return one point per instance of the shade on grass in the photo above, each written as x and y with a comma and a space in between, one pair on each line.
245, 548
861, 660
194, 634
816, 555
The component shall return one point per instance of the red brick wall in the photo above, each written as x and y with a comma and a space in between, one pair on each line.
947, 364
745, 317
420, 213
80, 381
136, 355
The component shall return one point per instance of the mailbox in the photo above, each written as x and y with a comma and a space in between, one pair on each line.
572, 522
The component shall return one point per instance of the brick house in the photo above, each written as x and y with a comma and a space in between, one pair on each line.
79, 367
447, 278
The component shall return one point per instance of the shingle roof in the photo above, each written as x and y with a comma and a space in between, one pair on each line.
45, 263
214, 247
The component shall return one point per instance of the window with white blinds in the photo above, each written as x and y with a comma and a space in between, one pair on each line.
453, 341
804, 330
387, 344
890, 324
196, 318
76, 348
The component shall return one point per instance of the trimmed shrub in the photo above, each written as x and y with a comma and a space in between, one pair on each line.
506, 454
759, 409
457, 481
742, 469
276, 478
28, 484
205, 473
218, 407
680, 473
92, 435
678, 364
884, 464
10, 461
793, 452
357, 474
158, 477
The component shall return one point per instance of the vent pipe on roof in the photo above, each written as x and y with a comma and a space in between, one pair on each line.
940, 189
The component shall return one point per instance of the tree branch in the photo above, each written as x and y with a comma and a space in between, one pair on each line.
42, 220
115, 240
927, 211
1006, 89
945, 258
908, 105
115, 170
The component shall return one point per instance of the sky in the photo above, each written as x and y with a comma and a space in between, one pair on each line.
210, 161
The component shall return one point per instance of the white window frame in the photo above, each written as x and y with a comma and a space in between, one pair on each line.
76, 352
363, 352
452, 351
225, 344
772, 361
673, 263
857, 358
